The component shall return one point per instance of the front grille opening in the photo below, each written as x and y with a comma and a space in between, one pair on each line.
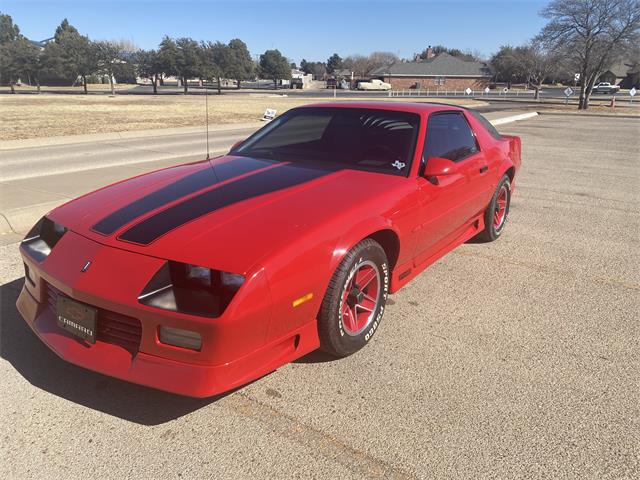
113, 328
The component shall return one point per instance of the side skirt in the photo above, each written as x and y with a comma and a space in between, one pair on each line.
403, 274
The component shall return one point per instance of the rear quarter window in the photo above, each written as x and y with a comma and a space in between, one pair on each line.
486, 124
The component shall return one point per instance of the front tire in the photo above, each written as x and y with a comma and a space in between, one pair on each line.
353, 305
495, 216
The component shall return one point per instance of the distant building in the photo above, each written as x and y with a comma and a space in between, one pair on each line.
40, 43
624, 73
343, 73
299, 79
443, 71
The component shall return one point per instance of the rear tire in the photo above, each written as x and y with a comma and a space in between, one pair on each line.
353, 305
496, 214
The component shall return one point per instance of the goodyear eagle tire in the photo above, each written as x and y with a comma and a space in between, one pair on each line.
496, 214
355, 300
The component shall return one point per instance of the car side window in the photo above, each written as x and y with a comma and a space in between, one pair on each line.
449, 136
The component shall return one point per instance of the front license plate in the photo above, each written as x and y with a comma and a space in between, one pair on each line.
77, 318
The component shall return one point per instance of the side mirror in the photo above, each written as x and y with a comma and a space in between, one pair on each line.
236, 145
438, 167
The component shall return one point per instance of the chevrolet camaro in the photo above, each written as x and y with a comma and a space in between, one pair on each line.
201, 277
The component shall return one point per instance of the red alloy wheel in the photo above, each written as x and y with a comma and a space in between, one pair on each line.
500, 212
360, 297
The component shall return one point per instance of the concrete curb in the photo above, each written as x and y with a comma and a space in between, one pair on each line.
514, 118
20, 220
589, 114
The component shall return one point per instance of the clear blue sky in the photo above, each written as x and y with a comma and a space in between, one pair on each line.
301, 29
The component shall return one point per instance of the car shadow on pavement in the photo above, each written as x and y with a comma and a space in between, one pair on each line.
317, 356
44, 369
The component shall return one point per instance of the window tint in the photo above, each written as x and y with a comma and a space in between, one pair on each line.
449, 136
486, 124
362, 138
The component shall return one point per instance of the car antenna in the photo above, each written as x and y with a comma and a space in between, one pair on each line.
206, 107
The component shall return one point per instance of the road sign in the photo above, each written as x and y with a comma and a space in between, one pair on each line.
468, 91
269, 114
633, 92
568, 92
576, 77
505, 89
486, 90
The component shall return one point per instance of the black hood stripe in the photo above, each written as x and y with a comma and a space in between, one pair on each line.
251, 186
174, 191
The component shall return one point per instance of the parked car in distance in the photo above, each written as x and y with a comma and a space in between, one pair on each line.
341, 85
605, 87
202, 277
374, 84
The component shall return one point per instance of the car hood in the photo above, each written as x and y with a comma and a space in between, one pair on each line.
226, 213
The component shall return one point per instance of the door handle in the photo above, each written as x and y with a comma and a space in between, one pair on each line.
484, 169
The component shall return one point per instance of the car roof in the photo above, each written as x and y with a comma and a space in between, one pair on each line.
413, 107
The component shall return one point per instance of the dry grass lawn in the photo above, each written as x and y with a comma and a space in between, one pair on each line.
47, 115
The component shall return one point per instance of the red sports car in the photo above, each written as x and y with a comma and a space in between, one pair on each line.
201, 277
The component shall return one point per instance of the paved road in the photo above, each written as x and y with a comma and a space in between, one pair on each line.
513, 359
46, 160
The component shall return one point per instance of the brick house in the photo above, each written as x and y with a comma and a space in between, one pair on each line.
443, 72
626, 74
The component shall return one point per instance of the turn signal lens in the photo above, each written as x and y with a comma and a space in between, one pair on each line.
180, 338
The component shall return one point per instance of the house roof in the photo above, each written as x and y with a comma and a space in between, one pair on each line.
40, 43
622, 69
440, 65
342, 72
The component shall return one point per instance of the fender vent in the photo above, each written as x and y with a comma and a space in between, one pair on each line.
113, 327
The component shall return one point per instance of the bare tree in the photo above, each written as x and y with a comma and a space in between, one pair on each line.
536, 64
358, 64
592, 34
110, 55
363, 65
383, 59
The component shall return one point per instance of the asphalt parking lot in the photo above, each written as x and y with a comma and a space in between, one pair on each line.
517, 359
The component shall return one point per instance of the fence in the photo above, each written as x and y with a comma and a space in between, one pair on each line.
462, 93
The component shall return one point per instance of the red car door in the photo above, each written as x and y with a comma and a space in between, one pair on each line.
449, 201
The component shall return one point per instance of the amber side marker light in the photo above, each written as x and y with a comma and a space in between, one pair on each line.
301, 300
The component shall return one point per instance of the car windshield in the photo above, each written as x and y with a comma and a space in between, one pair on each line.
360, 138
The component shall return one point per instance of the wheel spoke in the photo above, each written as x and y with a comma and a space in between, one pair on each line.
370, 275
369, 297
354, 318
362, 307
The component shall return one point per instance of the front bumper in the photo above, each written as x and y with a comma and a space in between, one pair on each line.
157, 372
235, 349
